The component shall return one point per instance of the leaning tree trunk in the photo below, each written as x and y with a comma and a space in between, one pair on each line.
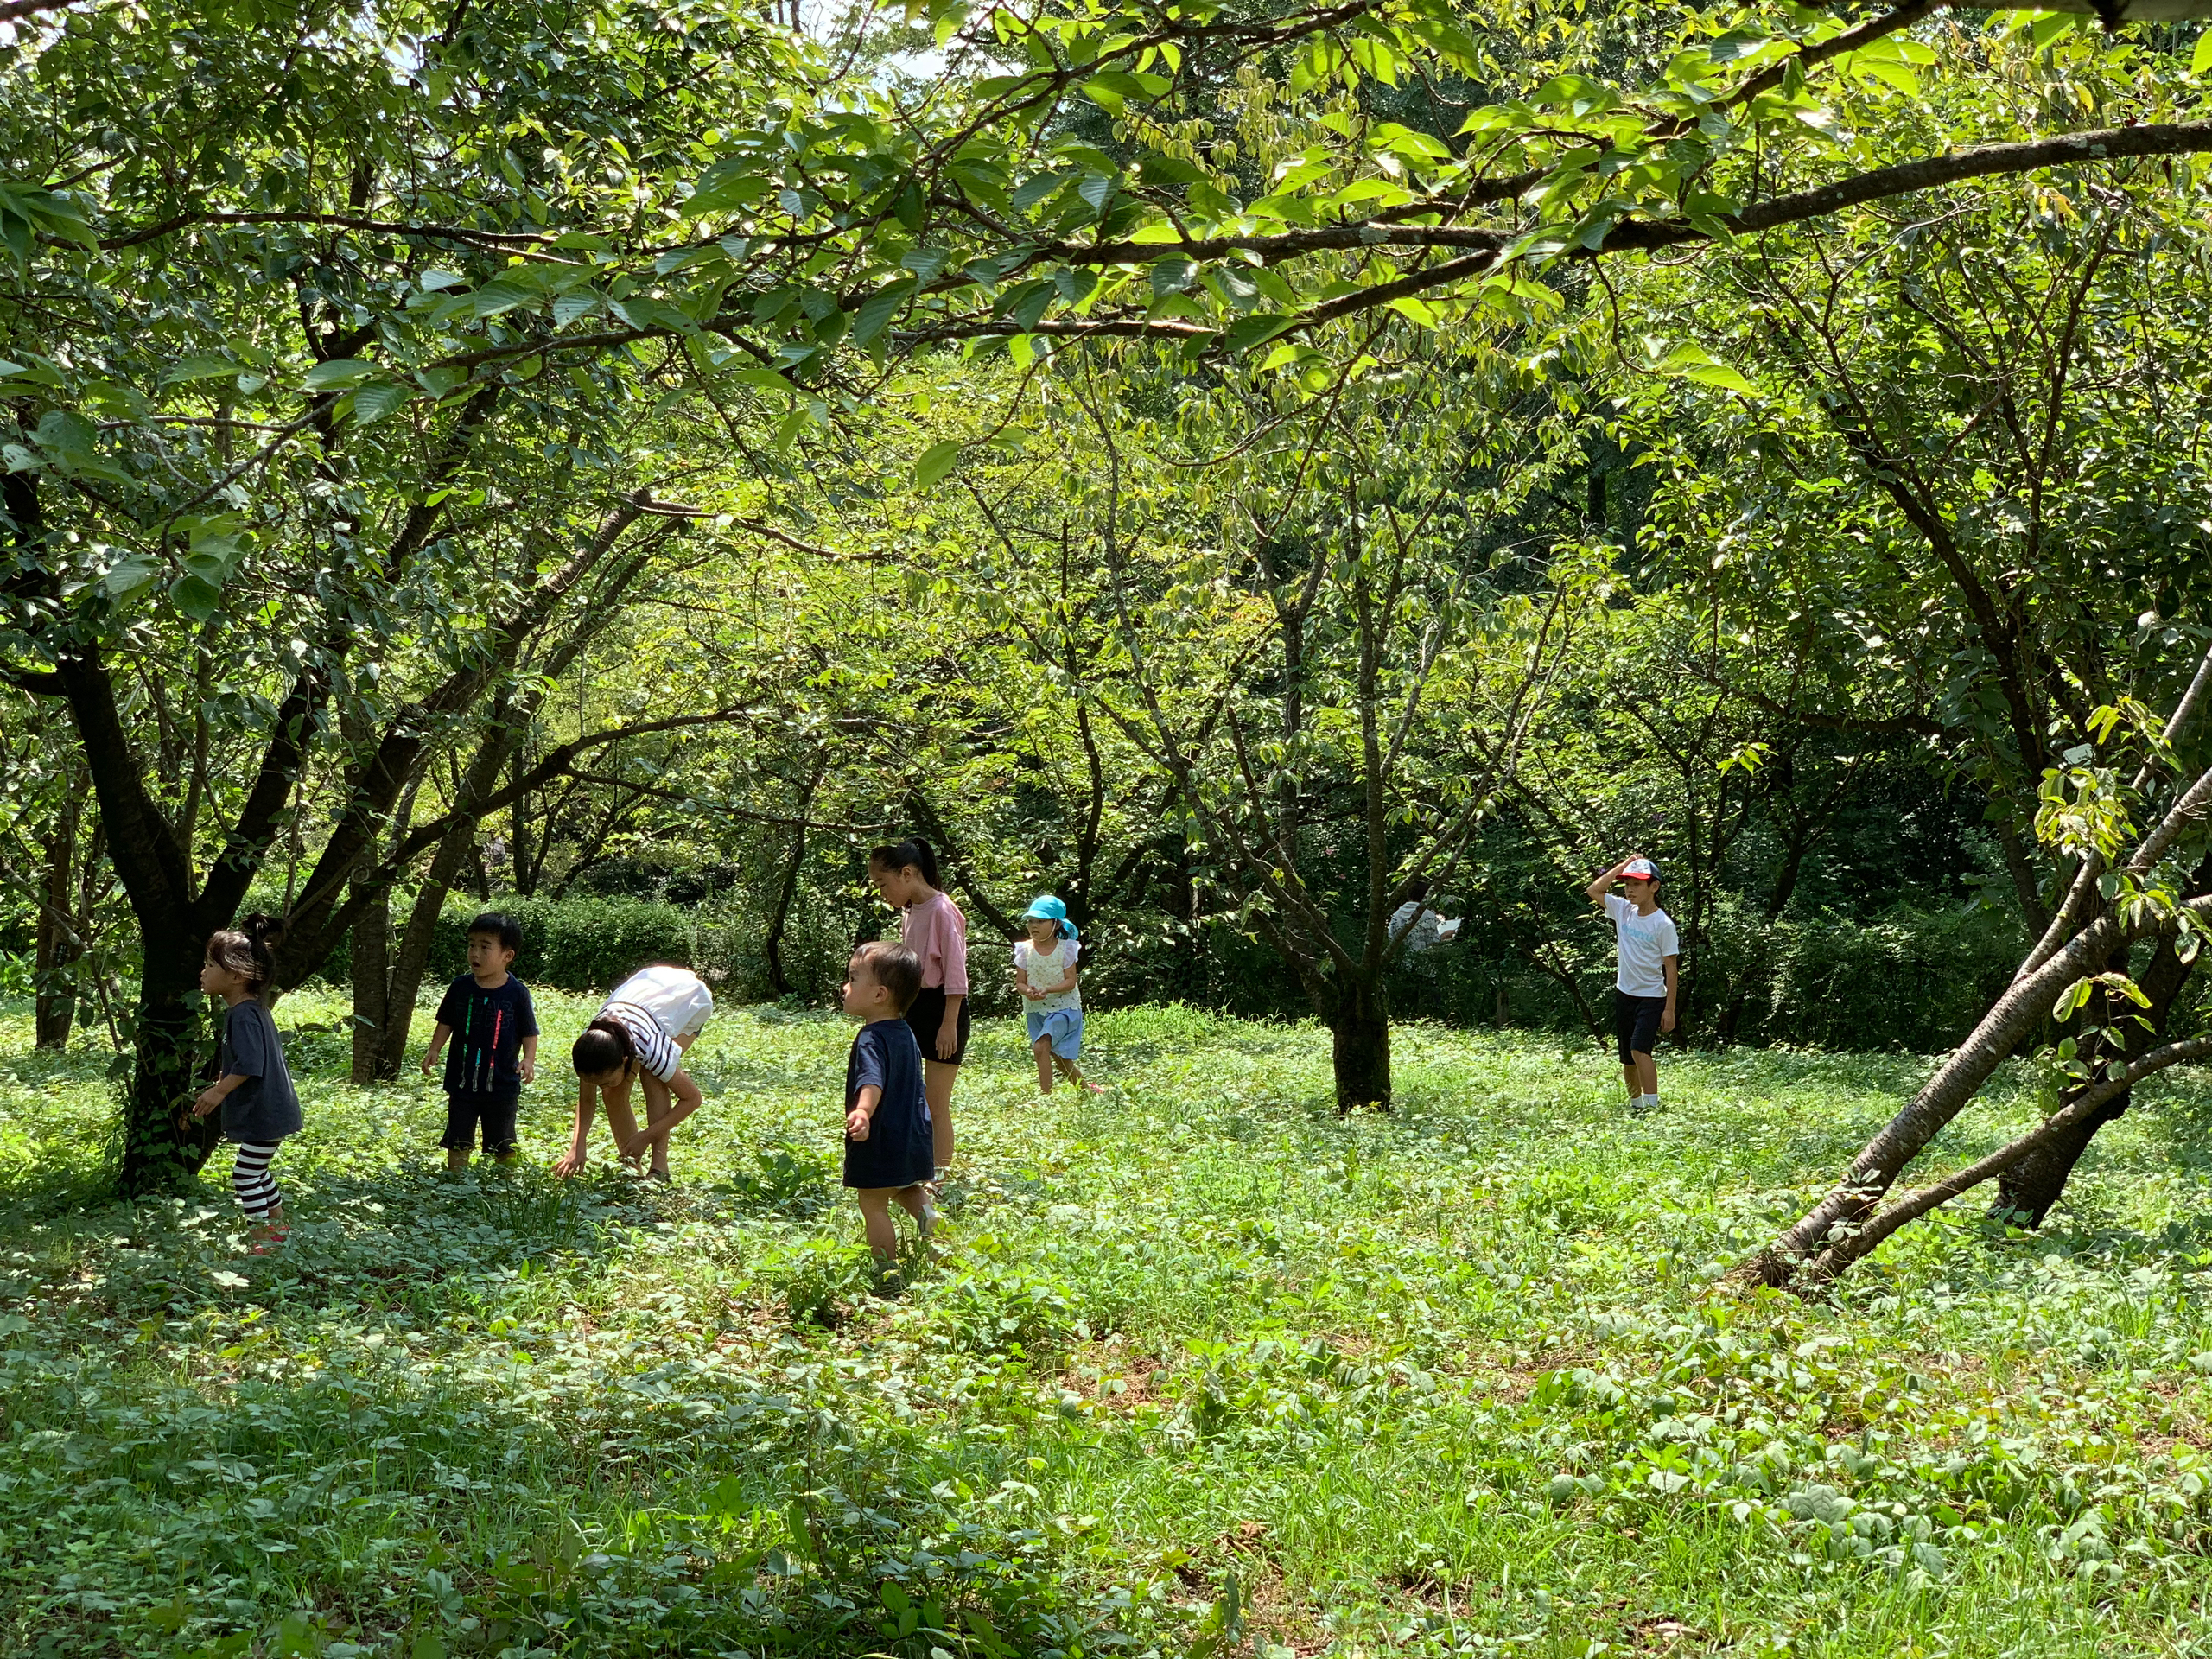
371, 950
411, 960
1941, 1098
160, 1148
1359, 1025
2026, 1192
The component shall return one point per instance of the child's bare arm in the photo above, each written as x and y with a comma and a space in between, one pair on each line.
863, 1113
585, 1090
530, 1058
689, 1100
214, 1094
439, 1034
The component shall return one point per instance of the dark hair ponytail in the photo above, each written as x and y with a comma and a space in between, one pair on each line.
604, 1045
913, 851
249, 950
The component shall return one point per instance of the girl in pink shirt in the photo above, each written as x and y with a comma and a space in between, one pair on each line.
905, 875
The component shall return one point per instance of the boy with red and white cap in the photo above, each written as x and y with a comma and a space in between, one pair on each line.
1649, 953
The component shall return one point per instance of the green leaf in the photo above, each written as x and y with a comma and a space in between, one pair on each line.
936, 461
1171, 275
131, 576
426, 1646
1720, 374
2201, 59
727, 186
195, 596
339, 373
1026, 305
576, 302
876, 311
372, 402
503, 294
200, 368
1255, 330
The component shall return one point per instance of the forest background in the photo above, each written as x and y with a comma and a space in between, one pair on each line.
1216, 465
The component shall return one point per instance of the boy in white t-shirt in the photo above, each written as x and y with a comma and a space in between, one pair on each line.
1649, 953
1044, 974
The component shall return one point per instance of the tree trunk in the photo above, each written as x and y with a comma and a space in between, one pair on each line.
57, 942
411, 960
523, 855
159, 1150
772, 947
779, 979
2026, 1192
1360, 1025
371, 952
1940, 1099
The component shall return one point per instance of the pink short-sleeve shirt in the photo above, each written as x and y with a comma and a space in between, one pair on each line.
936, 931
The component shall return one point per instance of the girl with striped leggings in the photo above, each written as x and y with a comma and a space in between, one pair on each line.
255, 1091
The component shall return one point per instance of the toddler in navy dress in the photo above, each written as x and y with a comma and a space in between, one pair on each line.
887, 1150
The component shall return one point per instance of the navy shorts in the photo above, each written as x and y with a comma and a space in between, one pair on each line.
1635, 1023
495, 1112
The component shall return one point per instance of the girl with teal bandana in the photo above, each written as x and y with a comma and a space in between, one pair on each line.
1044, 974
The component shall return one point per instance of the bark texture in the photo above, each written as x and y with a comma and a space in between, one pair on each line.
1359, 1029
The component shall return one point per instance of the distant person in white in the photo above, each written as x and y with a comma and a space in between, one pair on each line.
1422, 928
1650, 955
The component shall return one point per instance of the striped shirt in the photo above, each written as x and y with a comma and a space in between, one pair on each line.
656, 1049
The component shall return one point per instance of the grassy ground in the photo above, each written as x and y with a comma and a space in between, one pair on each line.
1206, 1369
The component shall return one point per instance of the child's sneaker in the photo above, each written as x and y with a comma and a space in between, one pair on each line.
662, 1176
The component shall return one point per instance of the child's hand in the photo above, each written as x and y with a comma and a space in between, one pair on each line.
857, 1125
569, 1165
209, 1099
429, 1055
1027, 990
527, 1067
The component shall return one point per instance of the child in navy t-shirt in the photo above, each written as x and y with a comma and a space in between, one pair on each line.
887, 1149
487, 1016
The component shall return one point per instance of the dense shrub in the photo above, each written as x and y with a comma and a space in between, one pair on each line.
1911, 979
570, 944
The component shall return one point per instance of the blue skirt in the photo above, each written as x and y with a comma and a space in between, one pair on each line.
1064, 1027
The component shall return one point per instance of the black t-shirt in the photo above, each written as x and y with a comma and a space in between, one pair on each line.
489, 1028
264, 1107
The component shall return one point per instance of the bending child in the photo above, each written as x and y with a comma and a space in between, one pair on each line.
1044, 974
254, 1090
639, 1033
490, 1010
888, 1154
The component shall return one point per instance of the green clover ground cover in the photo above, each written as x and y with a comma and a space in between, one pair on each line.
1205, 1370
